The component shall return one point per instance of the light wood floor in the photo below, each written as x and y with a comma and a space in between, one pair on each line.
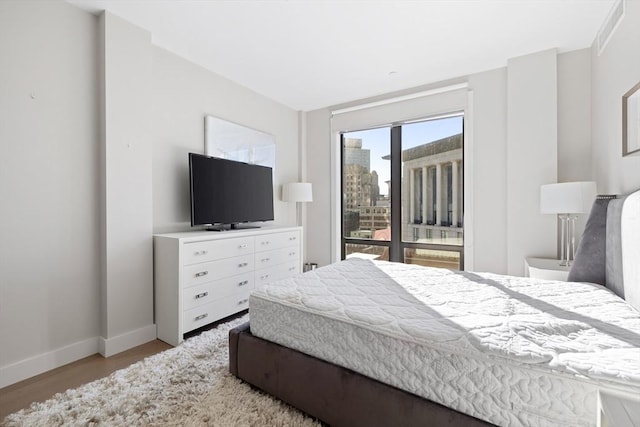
43, 386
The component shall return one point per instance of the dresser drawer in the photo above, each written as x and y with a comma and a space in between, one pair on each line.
267, 242
206, 272
282, 271
198, 252
198, 295
290, 238
279, 256
203, 315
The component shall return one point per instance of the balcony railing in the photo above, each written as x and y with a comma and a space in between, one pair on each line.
444, 234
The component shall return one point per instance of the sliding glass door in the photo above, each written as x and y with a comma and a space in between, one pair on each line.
366, 209
403, 192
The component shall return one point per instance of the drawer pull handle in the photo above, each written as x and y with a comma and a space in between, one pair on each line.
264, 277
244, 282
264, 259
202, 295
202, 252
292, 253
291, 268
244, 301
292, 238
243, 246
202, 316
243, 264
202, 273
264, 243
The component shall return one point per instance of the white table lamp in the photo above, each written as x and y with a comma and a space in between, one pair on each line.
567, 199
297, 192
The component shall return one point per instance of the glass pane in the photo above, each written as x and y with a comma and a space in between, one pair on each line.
432, 181
366, 251
432, 258
366, 172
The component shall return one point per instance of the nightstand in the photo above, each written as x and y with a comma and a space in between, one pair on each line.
545, 268
618, 410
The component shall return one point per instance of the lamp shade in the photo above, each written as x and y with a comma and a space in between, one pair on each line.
297, 192
567, 197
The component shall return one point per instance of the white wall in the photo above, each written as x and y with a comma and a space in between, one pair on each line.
49, 190
183, 93
532, 156
127, 245
318, 171
574, 116
489, 181
613, 73
59, 188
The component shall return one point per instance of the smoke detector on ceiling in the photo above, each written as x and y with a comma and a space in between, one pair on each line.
610, 25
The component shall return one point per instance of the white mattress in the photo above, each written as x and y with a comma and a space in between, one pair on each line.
510, 350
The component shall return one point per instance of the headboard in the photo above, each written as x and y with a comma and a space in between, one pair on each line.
630, 245
609, 251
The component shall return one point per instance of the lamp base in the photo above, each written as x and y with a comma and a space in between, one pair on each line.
568, 239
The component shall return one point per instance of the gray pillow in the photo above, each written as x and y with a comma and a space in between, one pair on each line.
589, 264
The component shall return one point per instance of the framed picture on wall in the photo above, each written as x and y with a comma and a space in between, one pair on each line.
631, 121
232, 141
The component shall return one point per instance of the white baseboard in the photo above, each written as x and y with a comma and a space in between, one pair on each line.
18, 371
110, 346
27, 368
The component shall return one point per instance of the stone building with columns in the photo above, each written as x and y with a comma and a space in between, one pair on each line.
432, 192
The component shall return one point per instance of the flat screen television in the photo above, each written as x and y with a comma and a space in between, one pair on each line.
226, 192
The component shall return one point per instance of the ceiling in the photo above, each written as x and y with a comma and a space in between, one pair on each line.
313, 54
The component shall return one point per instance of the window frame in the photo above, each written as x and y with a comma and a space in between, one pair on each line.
396, 246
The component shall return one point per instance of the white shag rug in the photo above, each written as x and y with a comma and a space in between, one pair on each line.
189, 385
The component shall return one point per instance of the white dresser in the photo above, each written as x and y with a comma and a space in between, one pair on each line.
204, 276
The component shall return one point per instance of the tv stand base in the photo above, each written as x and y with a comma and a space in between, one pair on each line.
227, 227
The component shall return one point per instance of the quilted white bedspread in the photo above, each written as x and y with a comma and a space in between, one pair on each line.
510, 350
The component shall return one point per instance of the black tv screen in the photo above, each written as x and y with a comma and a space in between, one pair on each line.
229, 192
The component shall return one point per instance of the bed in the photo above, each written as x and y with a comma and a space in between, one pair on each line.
365, 342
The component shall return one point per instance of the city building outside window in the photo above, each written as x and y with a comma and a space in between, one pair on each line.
429, 155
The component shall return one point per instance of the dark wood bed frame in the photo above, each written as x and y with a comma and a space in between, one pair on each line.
330, 393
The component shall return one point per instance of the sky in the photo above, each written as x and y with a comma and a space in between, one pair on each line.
413, 134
